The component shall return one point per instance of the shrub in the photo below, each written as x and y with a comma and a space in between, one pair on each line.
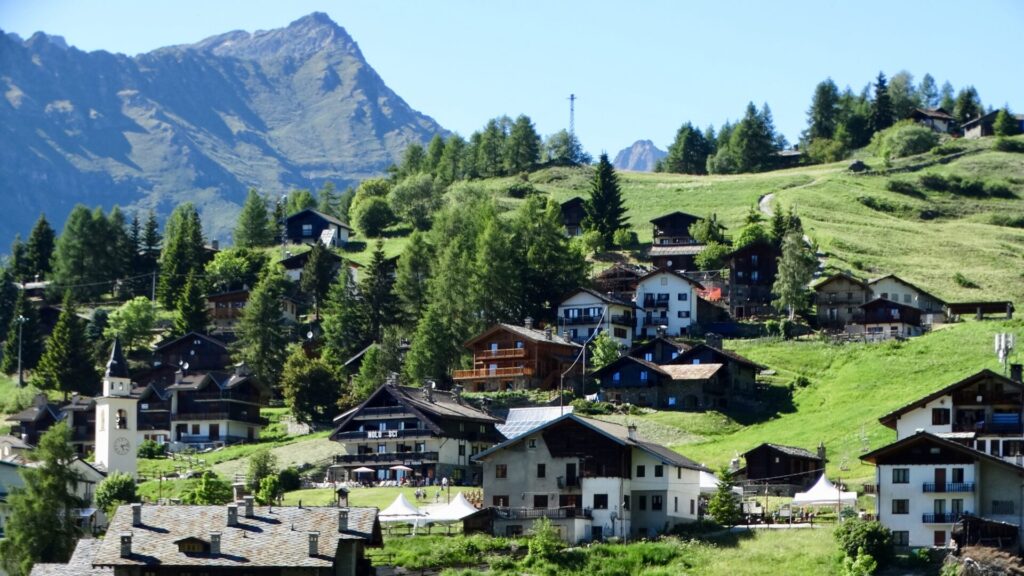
903, 139
625, 238
544, 542
947, 148
862, 565
801, 382
964, 281
289, 479
116, 489
786, 327
150, 449
592, 241
1006, 220
372, 215
520, 190
858, 536
902, 187
999, 190
1009, 145
771, 327
933, 182
586, 407
825, 150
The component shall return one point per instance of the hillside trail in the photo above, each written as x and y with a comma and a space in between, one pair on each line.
764, 204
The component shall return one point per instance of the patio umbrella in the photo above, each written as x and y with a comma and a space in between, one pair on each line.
362, 470
401, 467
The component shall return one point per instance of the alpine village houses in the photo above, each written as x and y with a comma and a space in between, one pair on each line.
510, 357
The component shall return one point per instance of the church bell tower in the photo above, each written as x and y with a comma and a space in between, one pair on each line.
117, 417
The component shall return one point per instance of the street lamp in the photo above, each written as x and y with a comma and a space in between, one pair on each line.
21, 373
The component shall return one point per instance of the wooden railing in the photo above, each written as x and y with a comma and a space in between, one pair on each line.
493, 373
499, 354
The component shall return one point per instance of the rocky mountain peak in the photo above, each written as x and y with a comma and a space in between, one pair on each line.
640, 157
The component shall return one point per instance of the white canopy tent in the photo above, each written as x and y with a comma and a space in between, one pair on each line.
401, 510
709, 484
824, 493
458, 509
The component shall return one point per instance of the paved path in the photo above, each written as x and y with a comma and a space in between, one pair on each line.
765, 204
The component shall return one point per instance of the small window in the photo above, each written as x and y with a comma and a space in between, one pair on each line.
682, 296
499, 501
901, 538
958, 475
540, 500
906, 298
641, 502
641, 471
901, 506
901, 475
940, 416
501, 470
625, 502
462, 449
659, 471
753, 259
649, 356
616, 377
643, 375
679, 472
531, 443
542, 471
600, 501
307, 230
683, 314
656, 502
693, 504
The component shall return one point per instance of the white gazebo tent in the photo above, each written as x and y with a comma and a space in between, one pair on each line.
709, 484
402, 511
458, 509
824, 493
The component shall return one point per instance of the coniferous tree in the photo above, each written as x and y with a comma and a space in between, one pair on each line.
522, 149
317, 275
1005, 124
372, 373
41, 526
31, 339
121, 250
968, 105
435, 149
451, 166
190, 314
262, 334
254, 228
378, 293
495, 281
551, 265
182, 254
73, 266
796, 268
329, 201
345, 324
20, 265
929, 92
881, 107
67, 363
903, 95
947, 101
490, 155
299, 200
432, 354
8, 299
688, 154
823, 116
605, 209
411, 281
39, 249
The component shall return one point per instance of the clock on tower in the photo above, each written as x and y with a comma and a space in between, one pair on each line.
116, 417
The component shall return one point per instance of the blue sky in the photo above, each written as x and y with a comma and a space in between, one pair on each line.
640, 69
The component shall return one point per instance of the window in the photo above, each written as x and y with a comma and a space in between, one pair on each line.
641, 471
195, 429
382, 448
679, 472
901, 506
753, 259
940, 416
421, 446
754, 275
643, 375
675, 503
600, 501
500, 501
958, 475
641, 502
616, 377
682, 296
693, 504
307, 230
649, 356
906, 298
659, 471
901, 538
501, 470
683, 314
462, 449
981, 445
619, 332
531, 443
671, 400
541, 471
540, 500
625, 502
122, 419
656, 503
901, 475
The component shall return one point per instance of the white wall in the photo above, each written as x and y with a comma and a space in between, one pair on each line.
615, 488
921, 502
585, 300
921, 419
667, 283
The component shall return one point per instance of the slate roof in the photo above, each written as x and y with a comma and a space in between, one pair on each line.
297, 261
891, 418
80, 563
443, 404
36, 411
274, 537
15, 442
939, 113
606, 298
326, 217
117, 366
677, 273
788, 450
531, 334
638, 349
904, 282
677, 250
691, 371
924, 436
837, 276
191, 335
729, 354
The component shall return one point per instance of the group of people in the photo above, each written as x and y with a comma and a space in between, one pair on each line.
422, 494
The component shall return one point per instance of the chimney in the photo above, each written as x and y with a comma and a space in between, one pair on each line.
660, 331
457, 393
428, 391
136, 514
248, 506
821, 451
528, 323
178, 375
232, 514
713, 340
547, 333
342, 520
631, 431
215, 244
1017, 373
238, 490
314, 543
126, 544
215, 543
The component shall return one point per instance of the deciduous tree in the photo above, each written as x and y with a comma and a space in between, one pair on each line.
132, 321
796, 268
209, 490
116, 489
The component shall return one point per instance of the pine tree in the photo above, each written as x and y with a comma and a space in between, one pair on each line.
947, 101
796, 268
688, 154
522, 149
20, 265
345, 324
72, 264
881, 107
431, 355
8, 299
495, 281
42, 523
67, 364
190, 314
254, 229
411, 280
39, 250
551, 266
262, 334
451, 166
31, 339
435, 149
605, 209
121, 251
823, 115
491, 152
182, 254
372, 374
967, 105
317, 275
1004, 125
330, 201
377, 288
929, 91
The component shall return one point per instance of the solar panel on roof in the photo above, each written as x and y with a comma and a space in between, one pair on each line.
521, 420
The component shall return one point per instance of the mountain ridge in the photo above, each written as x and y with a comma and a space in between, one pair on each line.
641, 156
274, 110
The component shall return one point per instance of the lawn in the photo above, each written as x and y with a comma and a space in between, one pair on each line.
851, 386
373, 497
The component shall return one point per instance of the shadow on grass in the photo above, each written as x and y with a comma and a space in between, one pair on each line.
774, 400
727, 538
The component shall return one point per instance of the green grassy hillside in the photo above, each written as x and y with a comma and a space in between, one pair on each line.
851, 386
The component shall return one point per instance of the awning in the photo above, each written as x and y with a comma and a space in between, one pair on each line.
824, 493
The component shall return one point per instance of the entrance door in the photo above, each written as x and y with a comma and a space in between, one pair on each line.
214, 431
570, 474
940, 479
940, 539
180, 431
596, 533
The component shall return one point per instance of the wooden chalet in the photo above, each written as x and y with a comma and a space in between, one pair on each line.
881, 319
509, 357
294, 265
786, 469
225, 308
433, 432
310, 226
212, 407
752, 271
200, 351
573, 213
739, 375
673, 246
838, 299
659, 350
32, 422
938, 119
665, 387
619, 280
984, 125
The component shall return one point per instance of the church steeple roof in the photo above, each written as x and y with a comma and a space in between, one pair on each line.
117, 366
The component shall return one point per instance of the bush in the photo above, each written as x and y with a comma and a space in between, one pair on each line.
1006, 220
786, 327
289, 479
1009, 145
372, 215
857, 536
592, 241
862, 565
150, 449
948, 148
825, 150
520, 190
933, 182
116, 489
585, 407
625, 238
964, 281
902, 187
771, 327
544, 542
801, 382
905, 138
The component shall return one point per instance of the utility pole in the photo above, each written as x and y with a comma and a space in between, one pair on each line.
21, 373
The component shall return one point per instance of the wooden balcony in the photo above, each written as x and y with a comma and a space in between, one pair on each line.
499, 354
932, 487
513, 372
533, 513
386, 458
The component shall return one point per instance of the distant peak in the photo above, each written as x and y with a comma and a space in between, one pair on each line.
320, 18
40, 38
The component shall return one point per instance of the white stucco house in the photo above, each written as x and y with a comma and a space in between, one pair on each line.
668, 298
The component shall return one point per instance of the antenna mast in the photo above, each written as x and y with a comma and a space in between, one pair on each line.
572, 114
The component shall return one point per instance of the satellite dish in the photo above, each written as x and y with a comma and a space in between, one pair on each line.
309, 334
668, 263
185, 365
